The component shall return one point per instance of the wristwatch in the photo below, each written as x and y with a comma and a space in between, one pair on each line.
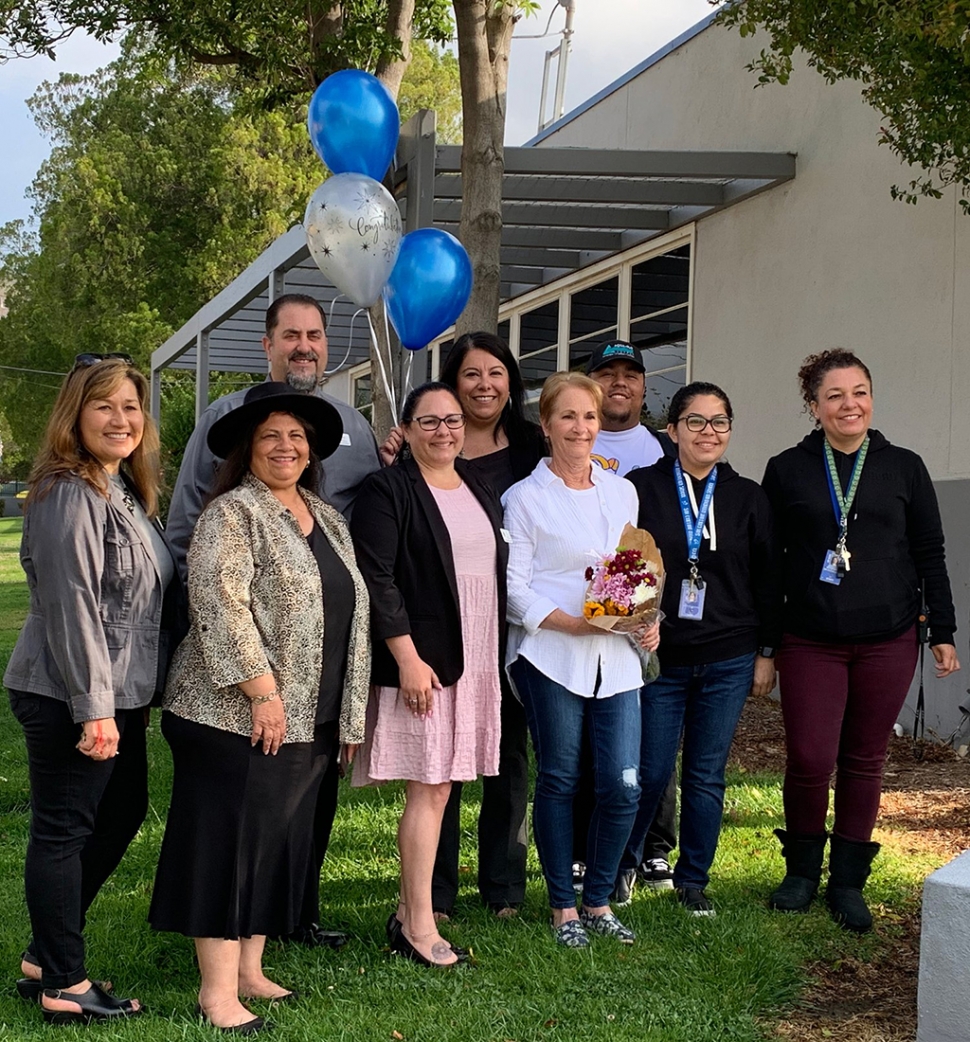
767, 651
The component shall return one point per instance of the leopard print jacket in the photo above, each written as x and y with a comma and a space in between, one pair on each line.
256, 606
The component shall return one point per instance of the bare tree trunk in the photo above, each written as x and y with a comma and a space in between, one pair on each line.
484, 38
400, 18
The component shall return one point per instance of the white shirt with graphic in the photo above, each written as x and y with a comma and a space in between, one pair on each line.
623, 451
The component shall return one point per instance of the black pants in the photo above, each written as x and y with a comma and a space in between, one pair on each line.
661, 836
502, 840
84, 814
326, 810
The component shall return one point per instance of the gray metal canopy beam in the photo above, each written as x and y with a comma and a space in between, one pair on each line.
594, 190
613, 162
551, 215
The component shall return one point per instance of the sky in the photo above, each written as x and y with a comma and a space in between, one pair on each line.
610, 37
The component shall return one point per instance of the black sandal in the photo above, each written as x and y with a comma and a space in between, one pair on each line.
393, 929
30, 988
95, 1003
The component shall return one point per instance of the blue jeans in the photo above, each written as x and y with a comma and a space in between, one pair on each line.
705, 703
556, 718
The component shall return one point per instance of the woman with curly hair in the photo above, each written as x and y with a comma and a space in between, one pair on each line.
850, 623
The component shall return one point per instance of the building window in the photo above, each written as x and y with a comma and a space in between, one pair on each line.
538, 347
593, 315
363, 396
659, 296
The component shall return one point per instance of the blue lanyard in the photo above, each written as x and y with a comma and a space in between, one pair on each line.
694, 530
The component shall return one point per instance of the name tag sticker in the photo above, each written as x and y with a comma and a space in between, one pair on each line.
691, 601
830, 569
345, 438
506, 534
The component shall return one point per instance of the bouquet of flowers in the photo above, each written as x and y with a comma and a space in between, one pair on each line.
625, 587
624, 592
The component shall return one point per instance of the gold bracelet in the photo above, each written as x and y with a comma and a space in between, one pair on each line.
258, 700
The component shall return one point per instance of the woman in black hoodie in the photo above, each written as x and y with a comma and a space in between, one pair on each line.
850, 640
714, 530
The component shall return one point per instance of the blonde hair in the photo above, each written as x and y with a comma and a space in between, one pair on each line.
554, 387
62, 451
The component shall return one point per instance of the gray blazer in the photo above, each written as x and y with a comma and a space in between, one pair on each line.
91, 637
256, 606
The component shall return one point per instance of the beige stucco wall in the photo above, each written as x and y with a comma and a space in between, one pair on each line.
827, 259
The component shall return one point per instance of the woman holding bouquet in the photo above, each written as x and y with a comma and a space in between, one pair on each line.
850, 640
714, 529
562, 518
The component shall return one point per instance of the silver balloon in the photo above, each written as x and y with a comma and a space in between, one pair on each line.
353, 229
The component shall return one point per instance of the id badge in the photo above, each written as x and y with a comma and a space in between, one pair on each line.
830, 569
691, 601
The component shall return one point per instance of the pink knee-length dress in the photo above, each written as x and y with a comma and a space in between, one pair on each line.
460, 739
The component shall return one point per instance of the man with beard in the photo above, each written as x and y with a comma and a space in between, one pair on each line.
296, 350
623, 445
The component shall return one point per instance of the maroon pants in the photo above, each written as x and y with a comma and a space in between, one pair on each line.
840, 702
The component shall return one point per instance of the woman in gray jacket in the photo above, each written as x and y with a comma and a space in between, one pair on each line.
88, 661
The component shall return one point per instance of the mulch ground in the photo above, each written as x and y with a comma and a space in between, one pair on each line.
925, 809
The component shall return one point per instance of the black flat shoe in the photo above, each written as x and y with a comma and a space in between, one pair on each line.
251, 1027
315, 936
393, 928
95, 1003
401, 946
29, 989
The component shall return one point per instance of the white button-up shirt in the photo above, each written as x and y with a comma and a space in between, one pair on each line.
552, 545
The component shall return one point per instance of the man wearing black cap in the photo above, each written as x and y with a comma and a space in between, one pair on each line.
296, 354
624, 444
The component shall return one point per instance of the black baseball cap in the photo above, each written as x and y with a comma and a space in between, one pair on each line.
612, 351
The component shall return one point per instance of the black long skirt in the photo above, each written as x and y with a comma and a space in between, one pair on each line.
235, 860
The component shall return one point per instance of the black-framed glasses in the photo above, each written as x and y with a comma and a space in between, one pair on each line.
89, 358
453, 421
695, 423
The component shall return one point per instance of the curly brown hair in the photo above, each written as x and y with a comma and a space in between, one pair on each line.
813, 370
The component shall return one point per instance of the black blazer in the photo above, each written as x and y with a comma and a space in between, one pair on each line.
404, 553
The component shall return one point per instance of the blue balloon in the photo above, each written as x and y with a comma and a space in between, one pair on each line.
354, 124
429, 286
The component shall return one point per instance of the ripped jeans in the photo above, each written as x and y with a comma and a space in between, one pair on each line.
704, 703
556, 720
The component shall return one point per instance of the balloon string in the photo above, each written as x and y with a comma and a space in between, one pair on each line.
406, 382
387, 340
350, 344
388, 390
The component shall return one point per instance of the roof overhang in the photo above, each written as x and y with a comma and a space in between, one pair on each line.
562, 209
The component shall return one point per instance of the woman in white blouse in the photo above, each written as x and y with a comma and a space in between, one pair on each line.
562, 518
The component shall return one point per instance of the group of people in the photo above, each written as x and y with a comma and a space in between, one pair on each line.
415, 610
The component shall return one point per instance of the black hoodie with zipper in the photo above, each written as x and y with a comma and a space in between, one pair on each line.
739, 574
894, 535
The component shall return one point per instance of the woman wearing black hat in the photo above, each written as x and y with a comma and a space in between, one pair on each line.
257, 699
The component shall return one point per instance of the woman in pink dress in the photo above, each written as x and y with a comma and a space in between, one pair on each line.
428, 538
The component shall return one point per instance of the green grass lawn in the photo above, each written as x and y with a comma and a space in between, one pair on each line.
685, 980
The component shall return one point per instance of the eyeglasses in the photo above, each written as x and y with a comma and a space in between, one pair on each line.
696, 423
82, 361
454, 421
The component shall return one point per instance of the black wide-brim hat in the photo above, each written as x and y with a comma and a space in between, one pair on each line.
269, 397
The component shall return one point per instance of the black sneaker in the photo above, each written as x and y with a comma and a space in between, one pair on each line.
623, 891
656, 873
579, 871
695, 901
